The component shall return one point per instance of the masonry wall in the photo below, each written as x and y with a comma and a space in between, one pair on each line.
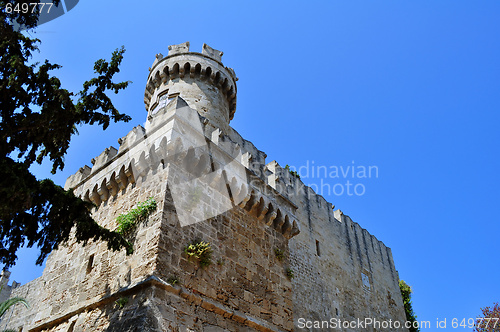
79, 276
331, 256
245, 278
245, 288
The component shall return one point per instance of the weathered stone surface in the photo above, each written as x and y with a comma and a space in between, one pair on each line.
246, 209
5, 288
213, 53
179, 48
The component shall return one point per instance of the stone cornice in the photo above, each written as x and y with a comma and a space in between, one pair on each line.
182, 292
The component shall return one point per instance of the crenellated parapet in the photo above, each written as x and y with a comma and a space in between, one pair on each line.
283, 181
271, 213
193, 157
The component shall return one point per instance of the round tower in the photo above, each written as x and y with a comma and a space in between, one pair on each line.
199, 78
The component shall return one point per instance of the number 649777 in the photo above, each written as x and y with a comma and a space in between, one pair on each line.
26, 7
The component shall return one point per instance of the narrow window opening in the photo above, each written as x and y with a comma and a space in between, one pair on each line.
337, 311
318, 252
90, 263
366, 280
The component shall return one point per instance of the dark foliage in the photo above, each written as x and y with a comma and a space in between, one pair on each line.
38, 119
410, 315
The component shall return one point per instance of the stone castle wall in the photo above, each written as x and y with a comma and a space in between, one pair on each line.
5, 288
244, 207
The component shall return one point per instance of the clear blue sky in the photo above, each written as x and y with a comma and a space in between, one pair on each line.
411, 87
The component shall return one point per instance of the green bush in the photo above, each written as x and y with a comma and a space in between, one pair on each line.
128, 221
173, 280
294, 173
200, 252
406, 292
121, 302
279, 254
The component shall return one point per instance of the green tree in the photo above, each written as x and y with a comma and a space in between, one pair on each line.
38, 119
410, 315
490, 320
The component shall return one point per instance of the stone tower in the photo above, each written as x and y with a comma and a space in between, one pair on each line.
202, 80
280, 256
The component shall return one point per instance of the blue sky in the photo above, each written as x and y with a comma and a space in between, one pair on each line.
410, 87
